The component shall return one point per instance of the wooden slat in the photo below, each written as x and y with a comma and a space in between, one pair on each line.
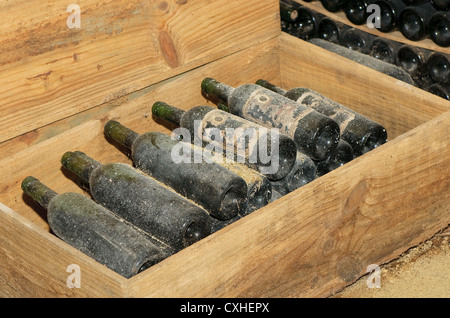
49, 72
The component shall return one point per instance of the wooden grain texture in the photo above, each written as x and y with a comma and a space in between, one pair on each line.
322, 237
400, 107
394, 35
49, 71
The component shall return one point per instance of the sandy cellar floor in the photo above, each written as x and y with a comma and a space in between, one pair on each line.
421, 272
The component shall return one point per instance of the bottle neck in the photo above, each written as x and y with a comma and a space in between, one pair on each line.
121, 134
80, 164
168, 112
271, 87
215, 90
39, 192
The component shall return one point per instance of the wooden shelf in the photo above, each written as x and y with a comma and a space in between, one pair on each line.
393, 35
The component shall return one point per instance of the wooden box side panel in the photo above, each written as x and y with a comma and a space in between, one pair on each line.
322, 237
35, 263
398, 106
50, 69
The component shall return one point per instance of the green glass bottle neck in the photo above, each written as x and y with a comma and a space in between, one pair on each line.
121, 134
80, 164
39, 192
215, 90
271, 87
168, 112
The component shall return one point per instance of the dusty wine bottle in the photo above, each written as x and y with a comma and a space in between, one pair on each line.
441, 90
439, 28
259, 188
218, 190
307, 23
356, 10
331, 30
438, 65
414, 21
302, 173
141, 200
333, 5
265, 150
413, 60
362, 133
385, 50
366, 60
357, 40
389, 14
344, 154
95, 231
314, 133
441, 5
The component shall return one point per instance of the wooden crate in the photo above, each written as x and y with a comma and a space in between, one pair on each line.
60, 85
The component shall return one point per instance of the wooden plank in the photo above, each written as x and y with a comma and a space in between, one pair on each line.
49, 71
322, 237
398, 106
35, 264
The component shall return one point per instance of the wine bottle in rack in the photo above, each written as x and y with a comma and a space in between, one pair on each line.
440, 90
356, 10
441, 5
414, 2
357, 40
389, 14
385, 49
288, 13
333, 5
344, 154
307, 23
439, 28
331, 30
413, 60
414, 21
438, 66
365, 59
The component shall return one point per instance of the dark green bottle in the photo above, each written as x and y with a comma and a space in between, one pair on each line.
95, 231
362, 133
274, 163
314, 134
218, 190
344, 154
141, 200
303, 172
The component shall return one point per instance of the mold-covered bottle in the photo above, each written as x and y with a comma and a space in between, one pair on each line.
96, 231
385, 50
362, 133
344, 154
302, 173
141, 200
237, 137
314, 133
218, 190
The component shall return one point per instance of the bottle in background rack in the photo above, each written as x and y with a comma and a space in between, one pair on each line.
385, 49
414, 21
356, 10
314, 133
413, 60
389, 14
141, 200
288, 13
441, 5
333, 5
307, 23
439, 28
331, 30
414, 2
357, 40
438, 66
219, 191
362, 133
95, 231
440, 90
